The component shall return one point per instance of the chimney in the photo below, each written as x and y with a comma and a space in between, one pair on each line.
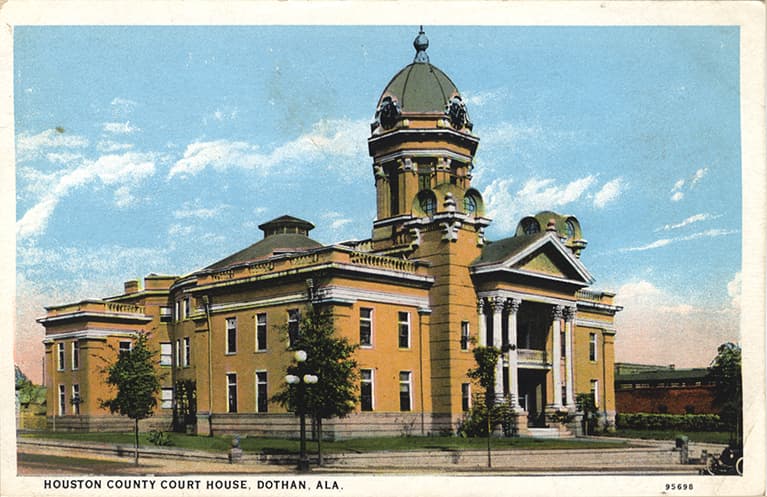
131, 286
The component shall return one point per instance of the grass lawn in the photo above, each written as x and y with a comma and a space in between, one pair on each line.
721, 437
35, 463
359, 445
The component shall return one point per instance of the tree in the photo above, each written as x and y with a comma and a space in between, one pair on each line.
484, 373
329, 357
725, 372
137, 382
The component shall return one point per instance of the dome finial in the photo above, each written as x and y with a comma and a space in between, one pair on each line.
421, 43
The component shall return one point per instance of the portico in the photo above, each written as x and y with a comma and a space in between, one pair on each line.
548, 350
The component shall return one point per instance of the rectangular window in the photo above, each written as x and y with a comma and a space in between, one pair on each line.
165, 314
231, 392
187, 352
75, 355
366, 327
60, 356
366, 389
166, 354
592, 346
424, 180
125, 346
76, 399
262, 395
166, 398
465, 396
261, 331
293, 318
403, 322
595, 392
178, 352
62, 400
231, 335
177, 311
405, 391
464, 335
187, 307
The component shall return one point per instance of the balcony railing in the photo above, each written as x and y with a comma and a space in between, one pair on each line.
330, 256
532, 357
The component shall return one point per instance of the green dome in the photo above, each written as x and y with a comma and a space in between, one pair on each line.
420, 87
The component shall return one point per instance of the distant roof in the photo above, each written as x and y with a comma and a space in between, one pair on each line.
283, 242
286, 221
663, 375
501, 250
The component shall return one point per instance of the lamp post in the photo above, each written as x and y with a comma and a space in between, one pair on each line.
301, 380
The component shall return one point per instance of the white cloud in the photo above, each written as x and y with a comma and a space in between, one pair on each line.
125, 128
482, 98
677, 189
695, 218
653, 315
735, 289
194, 210
126, 169
506, 206
180, 230
30, 147
63, 157
329, 141
123, 105
124, 197
667, 241
112, 146
699, 174
609, 193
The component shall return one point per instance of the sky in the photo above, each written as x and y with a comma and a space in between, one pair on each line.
161, 149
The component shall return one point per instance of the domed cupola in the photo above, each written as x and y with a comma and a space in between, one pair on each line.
420, 95
422, 146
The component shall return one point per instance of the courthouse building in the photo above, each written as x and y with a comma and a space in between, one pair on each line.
417, 296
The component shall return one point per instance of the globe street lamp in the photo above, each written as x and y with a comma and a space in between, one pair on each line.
301, 381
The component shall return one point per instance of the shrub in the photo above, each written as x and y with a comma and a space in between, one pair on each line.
688, 422
159, 438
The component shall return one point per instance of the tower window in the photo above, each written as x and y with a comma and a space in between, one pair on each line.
427, 202
530, 226
470, 205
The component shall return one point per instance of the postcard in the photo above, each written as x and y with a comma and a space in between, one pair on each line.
365, 248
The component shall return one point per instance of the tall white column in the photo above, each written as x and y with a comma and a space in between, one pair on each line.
497, 307
569, 367
556, 355
481, 325
512, 306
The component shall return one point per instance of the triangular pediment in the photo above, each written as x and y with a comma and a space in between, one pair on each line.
543, 263
537, 256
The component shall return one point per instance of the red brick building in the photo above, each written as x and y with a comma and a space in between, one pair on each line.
663, 389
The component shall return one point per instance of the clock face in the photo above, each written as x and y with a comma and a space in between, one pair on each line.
469, 204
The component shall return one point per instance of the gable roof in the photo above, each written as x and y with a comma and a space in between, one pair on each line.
513, 253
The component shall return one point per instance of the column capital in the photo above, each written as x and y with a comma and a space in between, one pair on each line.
480, 305
570, 312
512, 305
496, 303
557, 312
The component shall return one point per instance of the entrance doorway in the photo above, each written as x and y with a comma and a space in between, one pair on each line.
532, 396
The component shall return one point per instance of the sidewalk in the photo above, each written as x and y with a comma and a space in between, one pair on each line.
655, 458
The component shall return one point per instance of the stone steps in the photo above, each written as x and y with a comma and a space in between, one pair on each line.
549, 433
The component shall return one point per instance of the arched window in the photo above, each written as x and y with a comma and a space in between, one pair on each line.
530, 226
470, 205
570, 228
427, 202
